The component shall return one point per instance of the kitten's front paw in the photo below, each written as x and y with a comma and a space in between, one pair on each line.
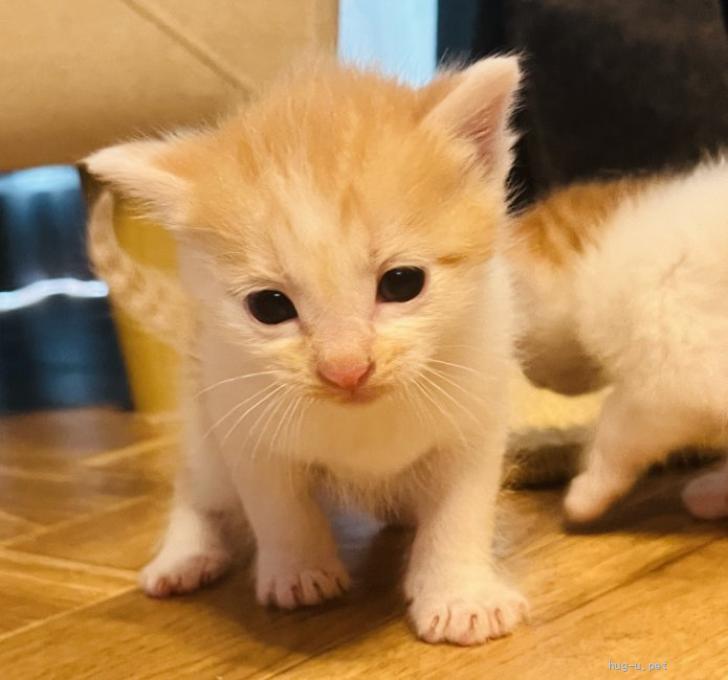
587, 498
302, 583
467, 615
177, 573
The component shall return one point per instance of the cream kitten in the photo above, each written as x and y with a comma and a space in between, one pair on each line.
354, 332
627, 283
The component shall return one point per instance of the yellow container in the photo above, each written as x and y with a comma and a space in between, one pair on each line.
152, 366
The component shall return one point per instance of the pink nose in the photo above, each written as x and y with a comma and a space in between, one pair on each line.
349, 375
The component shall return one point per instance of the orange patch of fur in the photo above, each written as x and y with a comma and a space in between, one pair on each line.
560, 227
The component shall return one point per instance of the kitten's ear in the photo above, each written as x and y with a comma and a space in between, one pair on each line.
144, 172
477, 108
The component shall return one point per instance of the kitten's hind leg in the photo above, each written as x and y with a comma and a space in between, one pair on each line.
706, 496
630, 435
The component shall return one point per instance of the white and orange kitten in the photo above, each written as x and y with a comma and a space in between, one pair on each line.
354, 332
626, 282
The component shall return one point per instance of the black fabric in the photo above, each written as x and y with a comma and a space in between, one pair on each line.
469, 28
611, 86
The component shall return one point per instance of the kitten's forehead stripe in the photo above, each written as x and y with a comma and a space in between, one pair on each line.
452, 259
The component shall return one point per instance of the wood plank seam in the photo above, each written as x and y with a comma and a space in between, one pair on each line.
100, 460
63, 563
71, 521
68, 612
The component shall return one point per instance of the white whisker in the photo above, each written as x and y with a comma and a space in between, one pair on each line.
480, 374
258, 403
296, 433
442, 411
237, 406
442, 376
237, 378
417, 406
269, 414
450, 397
284, 416
290, 419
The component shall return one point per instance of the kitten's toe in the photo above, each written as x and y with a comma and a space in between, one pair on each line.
168, 574
587, 499
707, 496
302, 586
467, 618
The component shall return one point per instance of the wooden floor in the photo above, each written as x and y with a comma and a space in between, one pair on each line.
82, 501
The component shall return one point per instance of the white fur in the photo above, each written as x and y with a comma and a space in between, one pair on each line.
647, 310
438, 464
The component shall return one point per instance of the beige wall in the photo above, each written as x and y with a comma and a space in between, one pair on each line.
78, 74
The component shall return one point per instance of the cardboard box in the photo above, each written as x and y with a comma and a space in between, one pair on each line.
79, 75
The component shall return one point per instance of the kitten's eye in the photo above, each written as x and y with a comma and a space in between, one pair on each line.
271, 307
401, 284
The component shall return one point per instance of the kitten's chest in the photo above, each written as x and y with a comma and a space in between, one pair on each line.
380, 440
